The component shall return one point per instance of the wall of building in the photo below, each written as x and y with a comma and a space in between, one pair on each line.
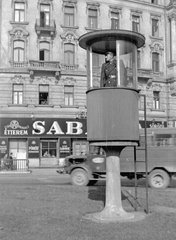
163, 81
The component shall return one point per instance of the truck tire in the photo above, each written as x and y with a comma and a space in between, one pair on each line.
159, 179
79, 177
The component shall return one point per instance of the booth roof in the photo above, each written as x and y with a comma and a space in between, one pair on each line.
102, 41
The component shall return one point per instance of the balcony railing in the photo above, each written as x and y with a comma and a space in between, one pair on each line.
18, 165
69, 67
44, 65
41, 27
19, 64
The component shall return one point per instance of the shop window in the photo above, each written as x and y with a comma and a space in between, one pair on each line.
69, 95
18, 94
135, 23
80, 148
92, 18
69, 54
44, 15
156, 100
43, 94
155, 62
49, 148
18, 148
18, 51
155, 28
114, 20
69, 16
19, 12
44, 51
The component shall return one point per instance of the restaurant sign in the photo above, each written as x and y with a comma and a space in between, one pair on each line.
23, 127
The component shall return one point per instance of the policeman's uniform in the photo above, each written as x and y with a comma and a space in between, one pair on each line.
109, 74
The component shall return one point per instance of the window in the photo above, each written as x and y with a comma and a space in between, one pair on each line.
80, 148
114, 20
44, 15
155, 62
92, 18
135, 23
163, 140
69, 16
155, 29
69, 54
44, 52
154, 1
49, 148
43, 94
18, 51
17, 94
156, 100
95, 60
19, 12
18, 148
69, 95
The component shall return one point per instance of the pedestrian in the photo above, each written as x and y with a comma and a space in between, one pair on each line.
11, 161
109, 71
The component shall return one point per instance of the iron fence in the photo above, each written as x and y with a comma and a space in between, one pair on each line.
18, 165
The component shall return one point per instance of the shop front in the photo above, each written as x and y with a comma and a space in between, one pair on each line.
44, 142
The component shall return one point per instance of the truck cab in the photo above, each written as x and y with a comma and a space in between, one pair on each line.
86, 168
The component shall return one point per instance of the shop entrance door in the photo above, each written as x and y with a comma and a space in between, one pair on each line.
19, 148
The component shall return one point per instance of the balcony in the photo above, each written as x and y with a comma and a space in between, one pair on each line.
44, 65
42, 28
49, 66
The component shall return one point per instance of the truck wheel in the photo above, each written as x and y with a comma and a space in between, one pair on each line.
79, 177
159, 179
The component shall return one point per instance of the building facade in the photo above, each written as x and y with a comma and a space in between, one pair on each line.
43, 78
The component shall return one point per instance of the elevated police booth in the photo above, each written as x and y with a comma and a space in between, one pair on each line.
112, 112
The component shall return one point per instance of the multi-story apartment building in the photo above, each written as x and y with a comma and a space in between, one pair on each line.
43, 79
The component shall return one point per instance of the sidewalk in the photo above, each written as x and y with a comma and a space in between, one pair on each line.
33, 171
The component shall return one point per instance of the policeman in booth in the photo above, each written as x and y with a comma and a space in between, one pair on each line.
109, 71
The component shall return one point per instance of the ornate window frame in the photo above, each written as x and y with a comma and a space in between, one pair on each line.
115, 9
50, 42
47, 2
25, 12
157, 47
69, 3
19, 33
155, 17
69, 37
93, 6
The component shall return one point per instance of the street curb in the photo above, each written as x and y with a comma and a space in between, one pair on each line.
14, 172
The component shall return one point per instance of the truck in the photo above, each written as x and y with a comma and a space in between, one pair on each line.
161, 162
